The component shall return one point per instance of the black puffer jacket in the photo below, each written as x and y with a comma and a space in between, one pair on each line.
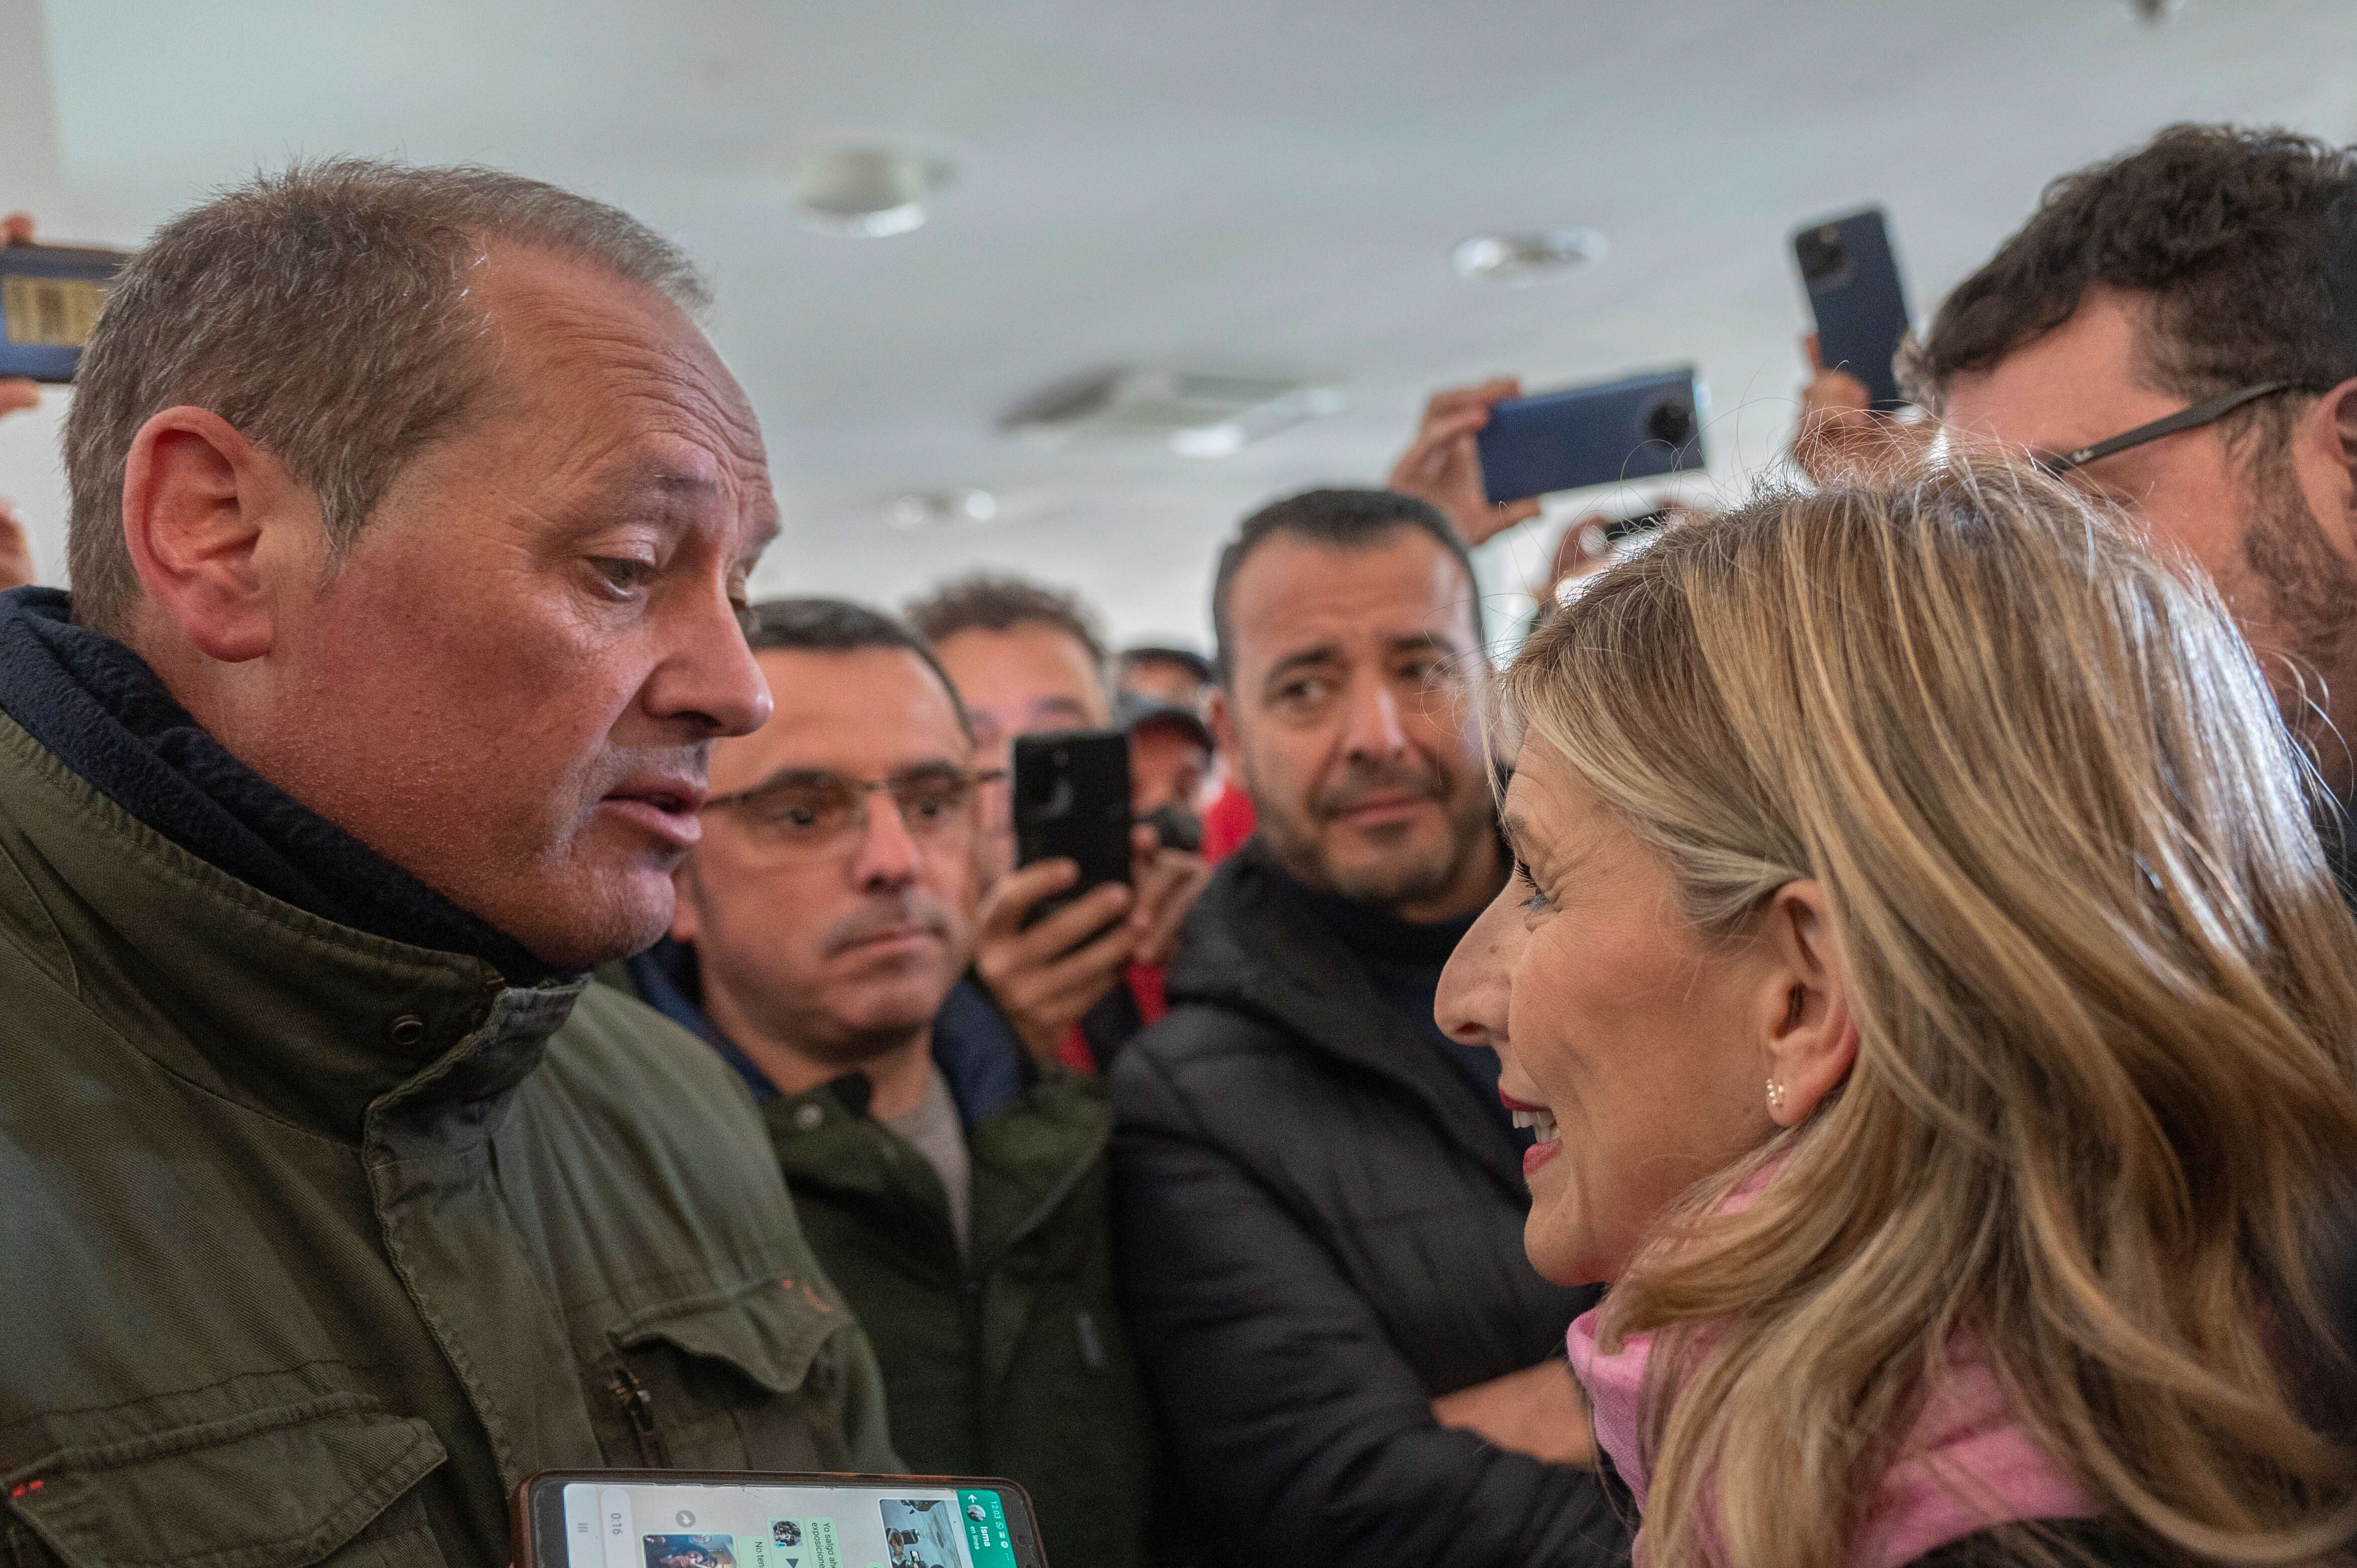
1319, 1229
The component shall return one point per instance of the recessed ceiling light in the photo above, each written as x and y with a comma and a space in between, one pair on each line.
940, 509
869, 191
1527, 258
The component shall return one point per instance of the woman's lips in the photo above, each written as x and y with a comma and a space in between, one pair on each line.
1542, 1124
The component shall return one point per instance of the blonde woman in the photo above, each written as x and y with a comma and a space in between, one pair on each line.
1938, 1021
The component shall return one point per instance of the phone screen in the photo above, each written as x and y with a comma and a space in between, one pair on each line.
869, 1524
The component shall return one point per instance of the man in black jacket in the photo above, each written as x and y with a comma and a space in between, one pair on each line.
1319, 1197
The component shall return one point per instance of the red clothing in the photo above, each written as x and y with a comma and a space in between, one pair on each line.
1145, 983
1227, 823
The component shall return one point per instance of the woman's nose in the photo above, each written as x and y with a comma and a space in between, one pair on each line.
1476, 986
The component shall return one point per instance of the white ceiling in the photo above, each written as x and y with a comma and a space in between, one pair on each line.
1228, 182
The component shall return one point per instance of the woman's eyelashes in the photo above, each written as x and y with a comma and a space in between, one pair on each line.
1536, 899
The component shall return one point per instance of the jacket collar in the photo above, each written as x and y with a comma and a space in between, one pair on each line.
241, 994
97, 706
1257, 943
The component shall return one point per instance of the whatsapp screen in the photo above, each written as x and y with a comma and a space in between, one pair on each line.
645, 1525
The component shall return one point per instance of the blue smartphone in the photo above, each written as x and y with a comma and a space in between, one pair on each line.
1568, 440
49, 296
1852, 275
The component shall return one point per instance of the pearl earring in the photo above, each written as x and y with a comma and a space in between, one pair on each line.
1775, 1097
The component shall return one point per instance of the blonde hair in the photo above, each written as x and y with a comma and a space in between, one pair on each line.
2106, 995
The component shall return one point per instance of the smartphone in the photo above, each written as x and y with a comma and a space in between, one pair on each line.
1852, 275
1568, 440
49, 296
687, 1518
1072, 802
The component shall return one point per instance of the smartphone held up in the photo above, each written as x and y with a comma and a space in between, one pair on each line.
1855, 291
1634, 428
49, 296
1072, 802
677, 1519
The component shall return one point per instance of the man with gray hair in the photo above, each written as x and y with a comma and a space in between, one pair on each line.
411, 519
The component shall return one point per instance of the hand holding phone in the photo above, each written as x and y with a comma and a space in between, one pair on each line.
1851, 274
49, 296
679, 1519
1072, 802
1442, 466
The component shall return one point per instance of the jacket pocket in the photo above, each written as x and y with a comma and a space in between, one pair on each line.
728, 1380
328, 1481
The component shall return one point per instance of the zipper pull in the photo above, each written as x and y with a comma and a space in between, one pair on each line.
638, 1413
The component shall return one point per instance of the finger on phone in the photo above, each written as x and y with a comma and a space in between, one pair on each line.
1073, 924
1817, 355
1089, 969
1019, 891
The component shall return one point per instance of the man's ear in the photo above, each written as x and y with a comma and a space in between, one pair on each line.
1220, 715
204, 516
2327, 463
1805, 1021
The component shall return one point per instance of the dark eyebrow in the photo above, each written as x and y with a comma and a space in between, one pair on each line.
1324, 653
792, 778
1427, 642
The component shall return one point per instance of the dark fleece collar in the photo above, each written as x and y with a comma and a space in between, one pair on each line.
99, 710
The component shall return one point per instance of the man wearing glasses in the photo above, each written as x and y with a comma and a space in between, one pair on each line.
954, 1192
2177, 330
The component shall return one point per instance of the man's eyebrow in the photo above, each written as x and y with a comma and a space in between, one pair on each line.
1324, 653
1425, 642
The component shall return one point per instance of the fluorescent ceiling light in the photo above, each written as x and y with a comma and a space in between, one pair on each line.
940, 509
1527, 258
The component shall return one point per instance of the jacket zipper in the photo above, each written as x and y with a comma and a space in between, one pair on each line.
638, 1414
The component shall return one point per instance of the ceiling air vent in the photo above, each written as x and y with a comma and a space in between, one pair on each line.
1196, 413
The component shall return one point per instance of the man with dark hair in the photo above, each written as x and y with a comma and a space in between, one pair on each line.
1319, 1197
1179, 676
821, 922
1080, 983
411, 514
2176, 329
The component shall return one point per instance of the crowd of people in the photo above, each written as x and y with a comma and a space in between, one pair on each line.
1843, 1050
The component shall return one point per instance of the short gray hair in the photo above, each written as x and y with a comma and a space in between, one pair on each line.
323, 312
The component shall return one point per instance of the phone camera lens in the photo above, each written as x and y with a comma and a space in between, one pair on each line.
1823, 255
1671, 424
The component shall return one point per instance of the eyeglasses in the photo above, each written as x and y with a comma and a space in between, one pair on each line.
813, 814
2205, 413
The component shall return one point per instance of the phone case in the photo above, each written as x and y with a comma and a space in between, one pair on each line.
1859, 301
49, 296
1568, 440
1071, 801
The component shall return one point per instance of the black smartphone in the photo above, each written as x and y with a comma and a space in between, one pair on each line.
1568, 440
49, 296
687, 1518
1071, 801
1851, 272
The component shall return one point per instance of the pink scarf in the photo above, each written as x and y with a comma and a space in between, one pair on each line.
1966, 1465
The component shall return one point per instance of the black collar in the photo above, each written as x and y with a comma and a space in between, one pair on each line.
97, 706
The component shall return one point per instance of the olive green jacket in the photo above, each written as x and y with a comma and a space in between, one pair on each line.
313, 1245
1012, 1362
